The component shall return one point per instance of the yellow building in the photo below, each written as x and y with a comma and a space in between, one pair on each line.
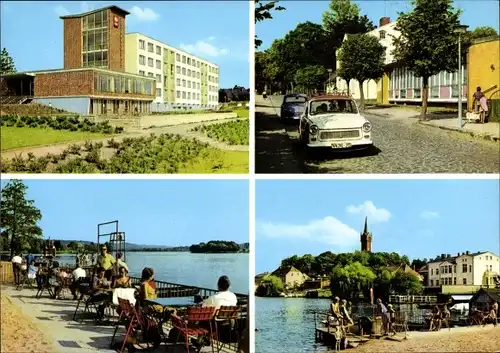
290, 276
483, 64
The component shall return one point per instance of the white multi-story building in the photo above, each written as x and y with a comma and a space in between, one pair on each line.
466, 269
183, 81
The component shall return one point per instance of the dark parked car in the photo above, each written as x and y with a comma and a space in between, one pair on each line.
293, 107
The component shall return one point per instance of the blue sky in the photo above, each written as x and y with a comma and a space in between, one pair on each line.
417, 218
217, 31
153, 212
475, 13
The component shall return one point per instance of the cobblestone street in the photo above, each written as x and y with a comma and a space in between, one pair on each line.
402, 146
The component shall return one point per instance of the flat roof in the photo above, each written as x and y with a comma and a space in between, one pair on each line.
18, 74
168, 45
116, 8
50, 71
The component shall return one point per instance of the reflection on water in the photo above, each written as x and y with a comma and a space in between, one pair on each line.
201, 270
287, 325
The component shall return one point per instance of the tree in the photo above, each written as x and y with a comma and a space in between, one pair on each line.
361, 57
404, 283
19, 218
427, 44
263, 12
342, 18
6, 63
482, 32
270, 286
311, 77
350, 280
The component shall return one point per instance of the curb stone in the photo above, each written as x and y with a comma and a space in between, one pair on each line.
485, 136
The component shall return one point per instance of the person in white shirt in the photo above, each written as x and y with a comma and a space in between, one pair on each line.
17, 260
224, 297
77, 274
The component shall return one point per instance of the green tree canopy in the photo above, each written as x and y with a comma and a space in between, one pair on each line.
270, 286
342, 17
310, 78
20, 218
404, 283
6, 63
362, 57
351, 280
428, 44
263, 12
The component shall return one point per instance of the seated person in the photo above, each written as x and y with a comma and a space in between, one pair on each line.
347, 321
224, 297
77, 274
123, 280
147, 289
100, 293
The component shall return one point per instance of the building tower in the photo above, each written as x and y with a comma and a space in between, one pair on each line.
366, 238
95, 39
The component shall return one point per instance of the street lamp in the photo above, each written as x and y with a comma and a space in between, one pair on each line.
460, 29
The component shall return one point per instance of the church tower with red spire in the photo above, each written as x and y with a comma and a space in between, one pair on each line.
366, 238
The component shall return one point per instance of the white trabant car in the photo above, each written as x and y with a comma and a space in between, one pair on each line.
334, 121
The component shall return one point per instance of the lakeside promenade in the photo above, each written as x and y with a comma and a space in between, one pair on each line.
45, 325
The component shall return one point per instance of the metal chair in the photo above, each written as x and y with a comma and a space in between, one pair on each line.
44, 285
227, 314
189, 326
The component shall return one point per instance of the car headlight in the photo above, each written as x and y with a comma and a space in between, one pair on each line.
367, 127
313, 129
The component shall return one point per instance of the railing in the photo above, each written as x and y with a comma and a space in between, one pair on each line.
412, 299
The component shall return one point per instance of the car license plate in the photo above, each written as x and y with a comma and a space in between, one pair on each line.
341, 145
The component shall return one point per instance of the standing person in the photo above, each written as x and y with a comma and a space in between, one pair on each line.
106, 261
335, 310
381, 310
119, 263
480, 105
29, 258
17, 260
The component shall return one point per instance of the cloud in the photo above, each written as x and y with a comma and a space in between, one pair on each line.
429, 215
144, 14
204, 48
61, 10
211, 38
328, 230
85, 7
368, 209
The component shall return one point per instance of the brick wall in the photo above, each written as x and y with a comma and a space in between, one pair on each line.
64, 83
72, 43
116, 40
73, 83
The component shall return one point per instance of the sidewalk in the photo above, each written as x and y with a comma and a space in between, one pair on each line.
488, 131
55, 319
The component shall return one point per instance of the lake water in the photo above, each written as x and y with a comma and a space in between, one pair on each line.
286, 325
200, 270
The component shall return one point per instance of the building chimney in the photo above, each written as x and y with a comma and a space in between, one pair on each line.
458, 254
467, 252
442, 256
448, 255
384, 21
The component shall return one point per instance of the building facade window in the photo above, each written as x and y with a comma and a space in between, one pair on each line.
142, 44
178, 82
158, 78
95, 39
464, 268
158, 92
178, 69
158, 50
142, 60
150, 74
158, 64
464, 281
184, 71
150, 62
183, 95
142, 73
178, 94
184, 59
150, 47
178, 58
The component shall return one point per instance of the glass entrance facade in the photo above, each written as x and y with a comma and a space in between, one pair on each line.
95, 39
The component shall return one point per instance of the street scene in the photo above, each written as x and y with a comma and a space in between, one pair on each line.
111, 91
341, 88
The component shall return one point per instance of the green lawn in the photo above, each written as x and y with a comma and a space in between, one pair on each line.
18, 137
219, 162
242, 113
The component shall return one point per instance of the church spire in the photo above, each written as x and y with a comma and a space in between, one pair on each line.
366, 238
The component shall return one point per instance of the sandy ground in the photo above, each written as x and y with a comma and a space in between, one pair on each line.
19, 334
468, 339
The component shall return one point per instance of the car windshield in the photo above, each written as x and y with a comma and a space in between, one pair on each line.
332, 106
295, 100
